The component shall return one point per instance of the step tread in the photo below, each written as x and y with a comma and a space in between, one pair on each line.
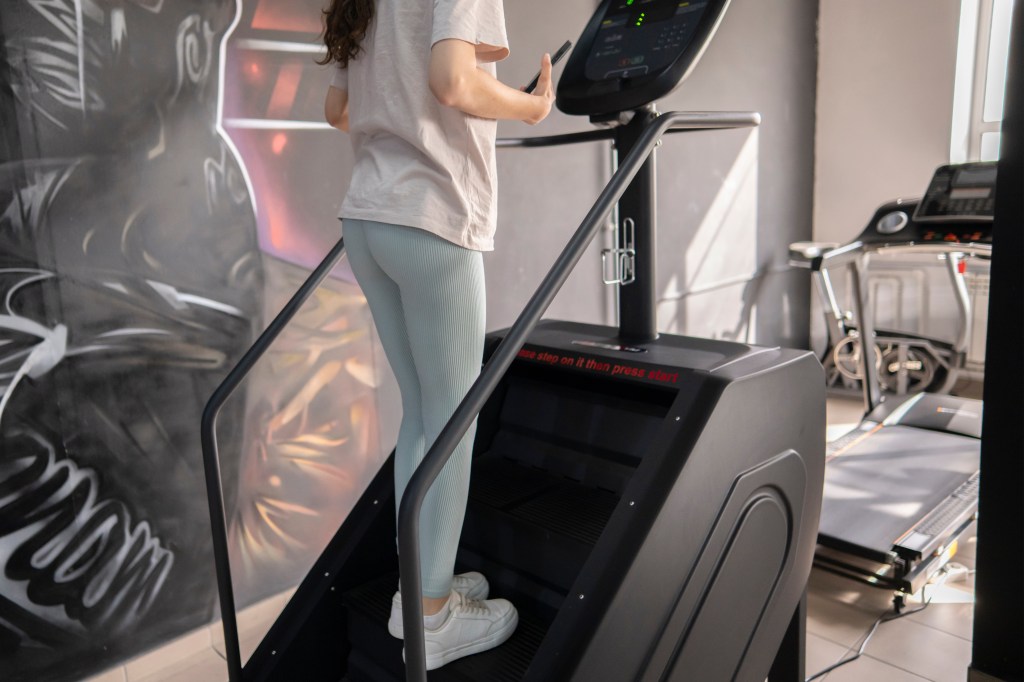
557, 503
506, 663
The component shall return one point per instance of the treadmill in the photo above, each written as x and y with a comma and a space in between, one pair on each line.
902, 487
630, 492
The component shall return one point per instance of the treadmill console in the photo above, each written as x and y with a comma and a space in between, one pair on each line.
958, 193
956, 209
893, 225
633, 52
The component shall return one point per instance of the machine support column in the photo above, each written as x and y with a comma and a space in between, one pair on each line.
866, 326
788, 665
638, 300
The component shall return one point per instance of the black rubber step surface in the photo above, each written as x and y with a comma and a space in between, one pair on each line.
555, 502
529, 530
534, 522
369, 609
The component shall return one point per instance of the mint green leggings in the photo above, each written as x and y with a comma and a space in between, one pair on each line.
426, 296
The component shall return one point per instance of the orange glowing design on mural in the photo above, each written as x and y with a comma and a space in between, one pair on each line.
285, 88
316, 441
282, 239
280, 15
279, 142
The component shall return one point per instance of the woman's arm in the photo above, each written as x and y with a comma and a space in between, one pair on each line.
336, 108
456, 82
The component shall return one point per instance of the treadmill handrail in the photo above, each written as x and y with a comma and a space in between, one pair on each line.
979, 249
855, 255
473, 403
848, 253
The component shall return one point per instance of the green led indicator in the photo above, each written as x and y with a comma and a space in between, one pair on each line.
640, 20
629, 2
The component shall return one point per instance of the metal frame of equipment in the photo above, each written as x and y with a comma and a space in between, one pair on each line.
902, 487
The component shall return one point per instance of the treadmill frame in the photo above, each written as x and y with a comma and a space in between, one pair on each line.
906, 575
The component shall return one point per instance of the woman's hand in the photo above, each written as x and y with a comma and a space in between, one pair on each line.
544, 94
456, 82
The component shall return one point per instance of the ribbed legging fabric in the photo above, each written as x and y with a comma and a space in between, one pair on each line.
427, 299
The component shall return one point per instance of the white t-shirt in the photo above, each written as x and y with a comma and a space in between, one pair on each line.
418, 163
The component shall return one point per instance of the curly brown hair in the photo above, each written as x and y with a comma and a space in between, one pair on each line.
345, 26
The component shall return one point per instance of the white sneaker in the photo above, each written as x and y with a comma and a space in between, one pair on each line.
471, 585
471, 627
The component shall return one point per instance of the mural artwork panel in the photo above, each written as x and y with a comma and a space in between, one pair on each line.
135, 269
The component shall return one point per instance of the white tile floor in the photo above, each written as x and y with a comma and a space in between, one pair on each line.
934, 644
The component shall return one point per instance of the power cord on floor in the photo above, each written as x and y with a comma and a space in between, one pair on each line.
884, 618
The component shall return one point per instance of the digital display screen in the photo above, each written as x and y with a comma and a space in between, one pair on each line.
969, 193
642, 37
976, 176
959, 193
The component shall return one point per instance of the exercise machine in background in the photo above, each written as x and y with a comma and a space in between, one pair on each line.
907, 362
902, 487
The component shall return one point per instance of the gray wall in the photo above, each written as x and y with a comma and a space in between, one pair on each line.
729, 202
885, 103
739, 198
544, 194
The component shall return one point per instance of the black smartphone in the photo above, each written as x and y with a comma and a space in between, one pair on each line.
562, 51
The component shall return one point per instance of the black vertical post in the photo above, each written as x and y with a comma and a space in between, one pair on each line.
999, 599
788, 665
638, 300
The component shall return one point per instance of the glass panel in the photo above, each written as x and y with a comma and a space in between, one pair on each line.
998, 48
990, 146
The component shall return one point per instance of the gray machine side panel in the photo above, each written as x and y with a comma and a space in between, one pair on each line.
723, 602
757, 418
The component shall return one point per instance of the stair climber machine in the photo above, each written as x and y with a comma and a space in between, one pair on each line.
902, 487
648, 503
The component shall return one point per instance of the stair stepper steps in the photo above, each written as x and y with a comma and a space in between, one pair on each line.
536, 508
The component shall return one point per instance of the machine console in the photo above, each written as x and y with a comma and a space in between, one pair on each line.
633, 52
960, 193
956, 209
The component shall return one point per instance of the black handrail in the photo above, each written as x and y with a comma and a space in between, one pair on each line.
555, 140
211, 461
494, 370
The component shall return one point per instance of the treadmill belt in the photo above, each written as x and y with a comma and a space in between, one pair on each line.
880, 487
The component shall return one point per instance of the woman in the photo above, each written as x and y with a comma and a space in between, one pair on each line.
415, 87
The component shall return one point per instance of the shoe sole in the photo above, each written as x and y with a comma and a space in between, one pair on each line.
492, 641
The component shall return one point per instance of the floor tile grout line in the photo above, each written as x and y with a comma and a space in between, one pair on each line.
943, 631
893, 665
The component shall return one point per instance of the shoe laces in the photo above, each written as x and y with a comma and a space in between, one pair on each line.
469, 606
